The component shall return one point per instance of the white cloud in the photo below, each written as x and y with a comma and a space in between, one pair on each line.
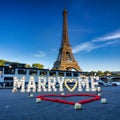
83, 47
90, 46
113, 38
40, 54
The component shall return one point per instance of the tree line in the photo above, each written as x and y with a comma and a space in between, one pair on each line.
34, 65
104, 73
41, 66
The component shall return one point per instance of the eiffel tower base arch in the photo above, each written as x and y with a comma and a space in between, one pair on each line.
69, 66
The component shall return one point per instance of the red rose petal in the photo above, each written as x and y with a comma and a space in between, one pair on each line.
47, 98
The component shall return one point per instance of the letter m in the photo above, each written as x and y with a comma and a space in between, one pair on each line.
19, 83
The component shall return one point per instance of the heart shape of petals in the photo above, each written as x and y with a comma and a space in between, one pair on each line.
47, 98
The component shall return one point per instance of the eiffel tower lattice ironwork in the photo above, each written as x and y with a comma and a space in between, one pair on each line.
65, 59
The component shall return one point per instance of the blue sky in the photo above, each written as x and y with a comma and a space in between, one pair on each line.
31, 32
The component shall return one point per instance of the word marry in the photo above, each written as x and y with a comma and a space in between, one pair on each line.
51, 82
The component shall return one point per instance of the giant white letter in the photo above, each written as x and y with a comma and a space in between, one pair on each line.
51, 83
93, 84
60, 81
82, 83
19, 83
31, 85
41, 83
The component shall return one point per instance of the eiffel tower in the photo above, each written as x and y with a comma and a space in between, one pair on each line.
65, 59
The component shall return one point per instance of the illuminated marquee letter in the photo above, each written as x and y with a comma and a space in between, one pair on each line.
82, 83
67, 81
19, 83
31, 85
93, 84
51, 83
41, 84
60, 81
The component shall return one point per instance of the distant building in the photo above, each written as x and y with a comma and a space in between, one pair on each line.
7, 73
15, 64
116, 73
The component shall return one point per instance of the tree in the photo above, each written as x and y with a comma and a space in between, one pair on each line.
93, 72
2, 62
54, 69
37, 65
100, 73
107, 73
27, 66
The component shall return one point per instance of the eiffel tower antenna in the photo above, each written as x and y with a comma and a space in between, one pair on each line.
65, 59
65, 4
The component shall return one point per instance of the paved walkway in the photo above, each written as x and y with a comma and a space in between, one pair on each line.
20, 107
